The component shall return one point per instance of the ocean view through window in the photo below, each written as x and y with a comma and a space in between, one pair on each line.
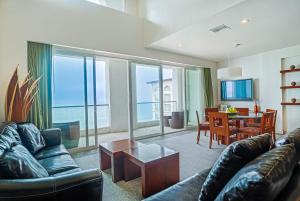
68, 92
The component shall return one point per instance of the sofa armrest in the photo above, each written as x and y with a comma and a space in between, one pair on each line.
52, 136
66, 187
188, 189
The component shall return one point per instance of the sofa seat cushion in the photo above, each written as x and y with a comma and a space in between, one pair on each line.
18, 163
187, 189
232, 159
292, 137
67, 172
57, 164
51, 151
263, 178
31, 137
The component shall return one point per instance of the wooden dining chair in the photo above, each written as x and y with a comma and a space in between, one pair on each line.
273, 124
242, 112
219, 125
204, 126
266, 126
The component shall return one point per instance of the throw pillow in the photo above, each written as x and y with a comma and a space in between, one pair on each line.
232, 159
292, 137
31, 137
263, 178
18, 163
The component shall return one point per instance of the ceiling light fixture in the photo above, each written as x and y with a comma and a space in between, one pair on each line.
244, 21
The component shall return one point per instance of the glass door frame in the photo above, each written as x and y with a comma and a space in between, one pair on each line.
187, 126
62, 52
130, 99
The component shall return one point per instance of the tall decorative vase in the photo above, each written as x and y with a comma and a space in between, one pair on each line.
256, 108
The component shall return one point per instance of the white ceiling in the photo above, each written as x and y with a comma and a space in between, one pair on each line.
273, 24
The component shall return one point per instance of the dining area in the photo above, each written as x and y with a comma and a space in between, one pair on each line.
234, 124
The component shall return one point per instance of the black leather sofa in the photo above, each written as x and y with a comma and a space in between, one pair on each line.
66, 181
190, 188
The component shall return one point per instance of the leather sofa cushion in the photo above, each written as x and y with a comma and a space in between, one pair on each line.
292, 137
18, 163
51, 151
13, 127
7, 140
263, 178
31, 137
57, 164
232, 159
187, 189
291, 192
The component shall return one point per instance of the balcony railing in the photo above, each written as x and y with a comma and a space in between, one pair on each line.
150, 111
146, 111
61, 114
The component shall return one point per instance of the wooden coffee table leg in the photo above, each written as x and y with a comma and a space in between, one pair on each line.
131, 170
117, 167
160, 175
105, 160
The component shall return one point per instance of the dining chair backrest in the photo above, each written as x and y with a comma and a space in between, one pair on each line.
274, 117
218, 123
243, 111
266, 124
208, 110
197, 115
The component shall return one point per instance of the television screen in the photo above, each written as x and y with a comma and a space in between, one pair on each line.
237, 90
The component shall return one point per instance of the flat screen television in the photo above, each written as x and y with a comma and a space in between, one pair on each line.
237, 90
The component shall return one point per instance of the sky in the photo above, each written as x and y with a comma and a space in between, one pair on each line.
68, 81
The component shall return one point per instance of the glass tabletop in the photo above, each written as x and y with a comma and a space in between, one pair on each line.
251, 115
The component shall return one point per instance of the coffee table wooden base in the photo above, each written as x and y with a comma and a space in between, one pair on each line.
112, 156
115, 162
156, 175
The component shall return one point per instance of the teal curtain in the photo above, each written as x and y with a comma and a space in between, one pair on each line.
39, 60
208, 89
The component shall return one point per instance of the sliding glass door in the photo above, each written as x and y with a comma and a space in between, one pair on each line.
173, 99
146, 100
80, 104
194, 95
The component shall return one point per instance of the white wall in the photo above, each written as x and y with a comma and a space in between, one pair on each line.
75, 23
265, 68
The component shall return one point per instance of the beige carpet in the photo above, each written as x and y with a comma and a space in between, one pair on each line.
193, 158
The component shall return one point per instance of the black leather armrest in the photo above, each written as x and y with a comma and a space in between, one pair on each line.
84, 185
188, 189
52, 136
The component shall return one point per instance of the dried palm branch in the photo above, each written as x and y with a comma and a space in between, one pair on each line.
19, 99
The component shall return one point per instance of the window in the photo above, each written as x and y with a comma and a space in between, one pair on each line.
114, 4
79, 94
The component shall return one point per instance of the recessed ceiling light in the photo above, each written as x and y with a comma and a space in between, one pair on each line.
237, 45
179, 44
244, 21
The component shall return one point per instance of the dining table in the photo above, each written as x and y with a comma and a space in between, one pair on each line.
251, 116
